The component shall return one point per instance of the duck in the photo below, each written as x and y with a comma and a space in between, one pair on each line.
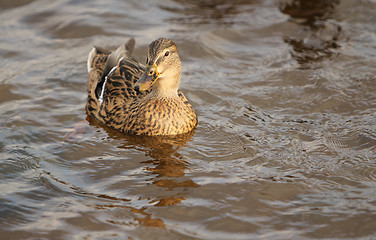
138, 99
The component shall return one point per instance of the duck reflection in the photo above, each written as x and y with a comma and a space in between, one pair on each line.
317, 34
166, 167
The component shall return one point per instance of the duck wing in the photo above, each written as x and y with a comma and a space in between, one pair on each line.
111, 79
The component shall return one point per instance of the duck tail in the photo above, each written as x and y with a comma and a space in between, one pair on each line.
97, 58
95, 63
90, 59
124, 51
130, 46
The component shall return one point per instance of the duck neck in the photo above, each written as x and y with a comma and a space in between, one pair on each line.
166, 87
164, 93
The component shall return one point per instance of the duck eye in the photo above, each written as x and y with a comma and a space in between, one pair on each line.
167, 53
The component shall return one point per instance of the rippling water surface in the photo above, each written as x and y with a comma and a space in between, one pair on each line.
285, 148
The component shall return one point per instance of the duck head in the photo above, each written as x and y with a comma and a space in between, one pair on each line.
163, 68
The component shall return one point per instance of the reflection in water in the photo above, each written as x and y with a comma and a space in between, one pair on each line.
317, 36
144, 219
309, 11
206, 12
167, 169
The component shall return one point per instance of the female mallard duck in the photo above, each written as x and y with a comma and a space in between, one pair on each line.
131, 98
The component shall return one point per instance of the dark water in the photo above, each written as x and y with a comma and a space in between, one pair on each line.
285, 148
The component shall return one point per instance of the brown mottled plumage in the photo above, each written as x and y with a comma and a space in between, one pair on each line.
131, 98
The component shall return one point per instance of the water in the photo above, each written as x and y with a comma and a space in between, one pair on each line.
285, 148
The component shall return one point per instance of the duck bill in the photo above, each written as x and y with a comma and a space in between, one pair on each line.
147, 79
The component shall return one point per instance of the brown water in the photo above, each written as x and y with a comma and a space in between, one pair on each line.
285, 148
